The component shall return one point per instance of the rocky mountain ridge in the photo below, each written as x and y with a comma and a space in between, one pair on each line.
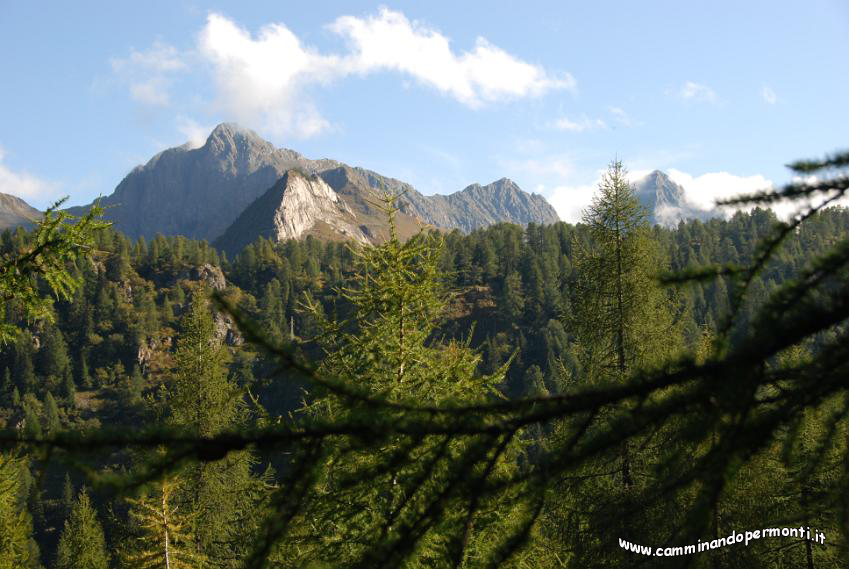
201, 192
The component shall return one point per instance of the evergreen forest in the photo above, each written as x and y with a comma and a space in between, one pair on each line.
513, 397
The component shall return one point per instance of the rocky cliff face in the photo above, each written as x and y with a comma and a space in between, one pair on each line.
665, 200
297, 205
16, 212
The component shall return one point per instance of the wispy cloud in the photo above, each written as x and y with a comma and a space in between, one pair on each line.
704, 190
570, 201
621, 117
148, 73
34, 190
194, 133
584, 123
768, 95
697, 93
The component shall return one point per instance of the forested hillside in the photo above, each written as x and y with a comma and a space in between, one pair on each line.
139, 344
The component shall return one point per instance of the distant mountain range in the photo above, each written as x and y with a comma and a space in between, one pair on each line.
237, 187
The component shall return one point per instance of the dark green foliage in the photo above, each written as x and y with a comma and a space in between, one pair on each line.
82, 544
52, 423
57, 239
16, 548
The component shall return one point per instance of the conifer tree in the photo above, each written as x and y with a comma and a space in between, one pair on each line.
623, 322
161, 529
203, 398
52, 423
68, 495
82, 544
387, 348
217, 497
8, 386
15, 522
69, 389
621, 318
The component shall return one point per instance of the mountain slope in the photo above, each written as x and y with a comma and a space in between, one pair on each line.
16, 212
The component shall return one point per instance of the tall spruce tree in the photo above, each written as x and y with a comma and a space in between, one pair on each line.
82, 544
219, 497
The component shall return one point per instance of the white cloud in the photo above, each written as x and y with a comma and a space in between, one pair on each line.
700, 192
260, 80
580, 125
697, 92
389, 41
151, 92
570, 201
160, 57
768, 95
149, 72
194, 133
703, 191
35, 191
263, 79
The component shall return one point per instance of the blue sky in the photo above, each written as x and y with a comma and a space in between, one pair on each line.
439, 94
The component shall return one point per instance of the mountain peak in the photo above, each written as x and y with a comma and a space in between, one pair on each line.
658, 174
230, 138
231, 129
665, 200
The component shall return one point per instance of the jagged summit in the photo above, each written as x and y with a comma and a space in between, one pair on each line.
230, 138
666, 200
501, 200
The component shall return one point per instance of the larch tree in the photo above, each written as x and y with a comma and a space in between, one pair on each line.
25, 273
161, 538
623, 322
364, 507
